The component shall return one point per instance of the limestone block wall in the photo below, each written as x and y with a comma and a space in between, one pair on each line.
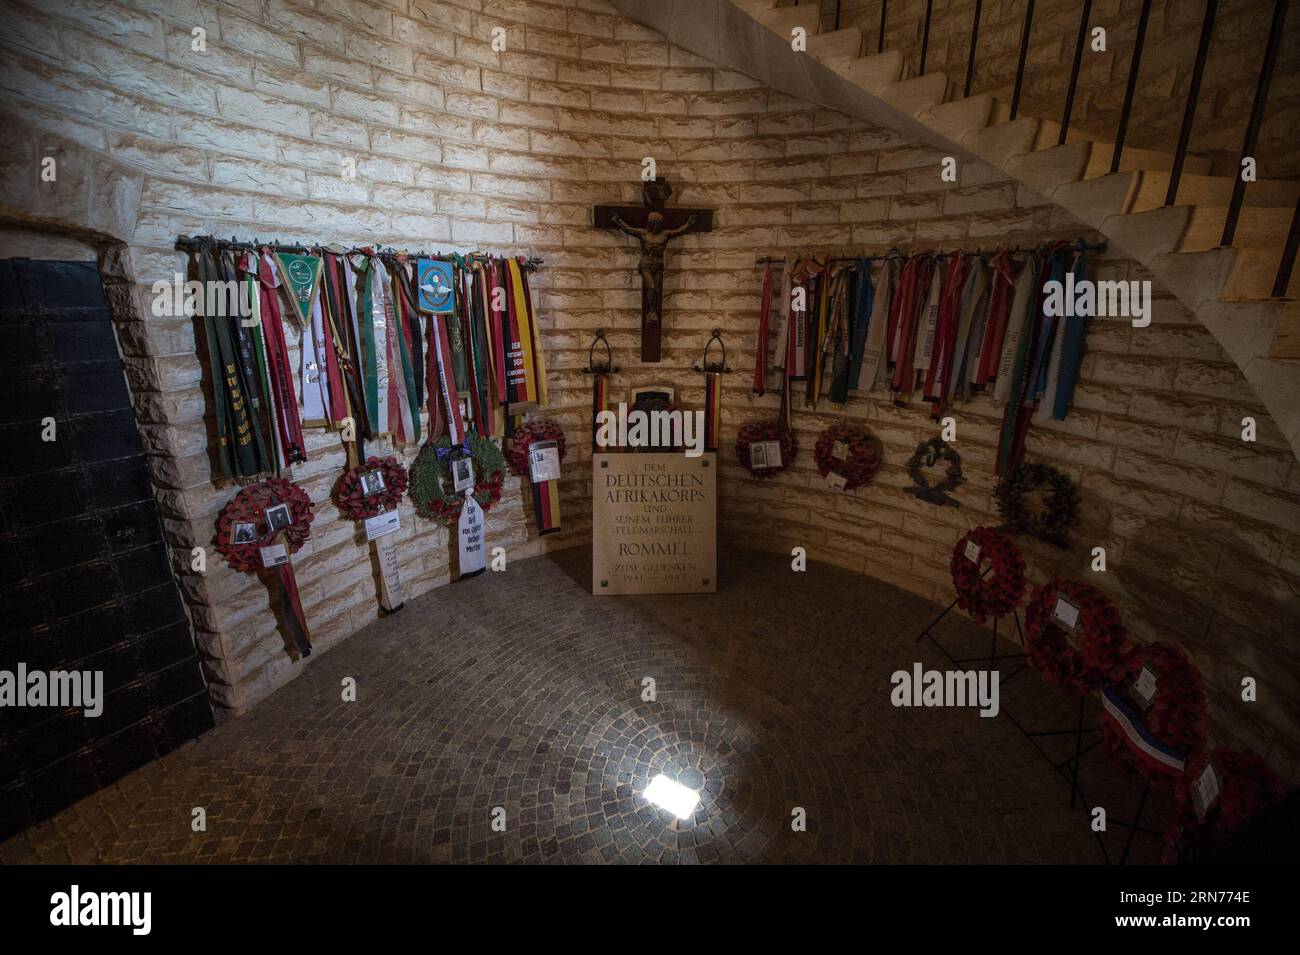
1173, 31
459, 146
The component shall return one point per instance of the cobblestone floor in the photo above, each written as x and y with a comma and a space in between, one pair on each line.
522, 691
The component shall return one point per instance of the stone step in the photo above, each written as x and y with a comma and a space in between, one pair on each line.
997, 144
1096, 200
959, 118
1047, 170
873, 72
1253, 273
1287, 343
1262, 227
1145, 160
783, 20
1199, 190
1146, 235
836, 47
917, 94
754, 7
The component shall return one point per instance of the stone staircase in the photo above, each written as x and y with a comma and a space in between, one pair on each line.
1228, 289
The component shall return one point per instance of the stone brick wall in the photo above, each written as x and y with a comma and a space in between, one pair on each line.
1173, 31
460, 147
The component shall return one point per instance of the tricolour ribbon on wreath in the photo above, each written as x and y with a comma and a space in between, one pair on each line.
258, 532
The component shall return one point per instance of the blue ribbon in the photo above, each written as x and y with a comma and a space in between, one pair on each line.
444, 454
860, 320
1073, 351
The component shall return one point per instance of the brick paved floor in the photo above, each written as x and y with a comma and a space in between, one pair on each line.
521, 690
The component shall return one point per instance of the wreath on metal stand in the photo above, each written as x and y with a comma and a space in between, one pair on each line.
1082, 657
928, 454
865, 455
1060, 509
432, 489
763, 431
1157, 741
988, 574
1243, 785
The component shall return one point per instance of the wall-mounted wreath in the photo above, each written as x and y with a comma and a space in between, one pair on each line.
1246, 785
540, 429
988, 573
371, 488
1079, 657
757, 460
852, 453
1060, 510
927, 455
257, 517
432, 489
1175, 718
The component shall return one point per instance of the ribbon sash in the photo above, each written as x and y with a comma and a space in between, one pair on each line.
599, 399
292, 616
760, 350
286, 401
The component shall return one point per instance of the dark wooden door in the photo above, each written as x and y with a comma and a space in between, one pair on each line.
85, 579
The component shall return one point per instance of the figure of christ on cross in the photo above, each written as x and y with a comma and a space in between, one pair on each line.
661, 225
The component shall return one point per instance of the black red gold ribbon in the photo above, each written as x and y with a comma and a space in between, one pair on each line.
712, 409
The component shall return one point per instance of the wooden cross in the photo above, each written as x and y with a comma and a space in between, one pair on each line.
653, 225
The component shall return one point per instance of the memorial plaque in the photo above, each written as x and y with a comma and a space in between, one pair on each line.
654, 524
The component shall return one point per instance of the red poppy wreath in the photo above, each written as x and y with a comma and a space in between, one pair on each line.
1239, 786
1079, 657
854, 454
988, 574
542, 429
756, 443
257, 517
370, 489
1155, 739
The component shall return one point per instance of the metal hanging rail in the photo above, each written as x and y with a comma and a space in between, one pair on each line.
899, 254
197, 243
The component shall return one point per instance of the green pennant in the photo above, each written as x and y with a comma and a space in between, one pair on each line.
302, 274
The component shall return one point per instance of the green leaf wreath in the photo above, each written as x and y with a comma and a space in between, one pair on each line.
432, 487
1060, 510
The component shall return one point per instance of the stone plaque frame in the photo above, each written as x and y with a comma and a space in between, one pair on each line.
665, 507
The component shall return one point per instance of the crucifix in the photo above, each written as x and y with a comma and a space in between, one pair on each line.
653, 225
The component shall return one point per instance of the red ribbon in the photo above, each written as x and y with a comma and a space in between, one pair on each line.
277, 356
764, 313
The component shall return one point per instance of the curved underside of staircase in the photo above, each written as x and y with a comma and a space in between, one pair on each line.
1227, 289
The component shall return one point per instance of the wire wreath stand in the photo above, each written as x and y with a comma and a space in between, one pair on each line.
1067, 768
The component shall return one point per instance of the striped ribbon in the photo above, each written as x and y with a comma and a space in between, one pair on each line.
293, 617
288, 423
712, 410
444, 401
546, 506
764, 313
599, 401
1129, 722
